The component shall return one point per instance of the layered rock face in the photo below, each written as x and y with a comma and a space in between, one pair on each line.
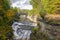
52, 18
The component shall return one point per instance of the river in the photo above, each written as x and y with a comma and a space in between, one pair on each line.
22, 31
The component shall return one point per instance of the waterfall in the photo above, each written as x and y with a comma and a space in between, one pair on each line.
21, 31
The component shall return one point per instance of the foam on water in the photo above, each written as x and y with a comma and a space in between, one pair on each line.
20, 33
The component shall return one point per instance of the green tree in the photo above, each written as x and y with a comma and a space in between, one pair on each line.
6, 17
35, 9
49, 7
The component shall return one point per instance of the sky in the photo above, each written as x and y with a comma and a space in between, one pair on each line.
22, 4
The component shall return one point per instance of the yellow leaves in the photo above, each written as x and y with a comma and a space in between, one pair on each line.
10, 14
0, 18
52, 6
2, 29
1, 7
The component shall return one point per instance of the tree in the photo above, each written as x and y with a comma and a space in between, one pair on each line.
7, 15
35, 10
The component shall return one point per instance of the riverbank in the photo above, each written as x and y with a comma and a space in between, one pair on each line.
46, 31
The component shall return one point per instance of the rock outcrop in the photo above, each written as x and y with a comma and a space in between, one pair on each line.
52, 18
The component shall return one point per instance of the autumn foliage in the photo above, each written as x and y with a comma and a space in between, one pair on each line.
7, 15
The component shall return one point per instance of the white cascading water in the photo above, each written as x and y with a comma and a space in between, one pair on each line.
21, 33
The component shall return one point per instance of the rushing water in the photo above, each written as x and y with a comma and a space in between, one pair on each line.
21, 31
